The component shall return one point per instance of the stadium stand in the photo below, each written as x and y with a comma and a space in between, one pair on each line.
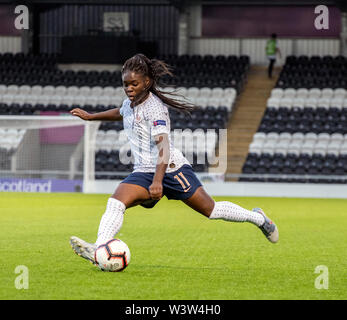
303, 133
34, 85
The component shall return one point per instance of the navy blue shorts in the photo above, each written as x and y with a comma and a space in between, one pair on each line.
177, 185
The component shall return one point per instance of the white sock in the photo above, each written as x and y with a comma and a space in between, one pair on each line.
229, 211
111, 221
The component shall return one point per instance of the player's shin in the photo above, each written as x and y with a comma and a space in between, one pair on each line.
111, 221
229, 211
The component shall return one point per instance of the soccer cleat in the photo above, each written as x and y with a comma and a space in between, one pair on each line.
268, 227
83, 249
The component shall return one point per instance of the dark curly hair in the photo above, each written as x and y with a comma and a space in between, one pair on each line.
155, 69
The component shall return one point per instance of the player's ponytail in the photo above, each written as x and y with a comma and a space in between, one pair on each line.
155, 70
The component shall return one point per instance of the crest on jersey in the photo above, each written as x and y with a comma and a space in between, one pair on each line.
159, 123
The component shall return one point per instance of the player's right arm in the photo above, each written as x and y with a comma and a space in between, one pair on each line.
108, 115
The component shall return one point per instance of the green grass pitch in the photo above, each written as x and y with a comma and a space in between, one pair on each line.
176, 253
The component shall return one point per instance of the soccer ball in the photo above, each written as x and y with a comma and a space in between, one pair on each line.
114, 255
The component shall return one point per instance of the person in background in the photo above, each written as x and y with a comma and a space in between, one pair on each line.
272, 50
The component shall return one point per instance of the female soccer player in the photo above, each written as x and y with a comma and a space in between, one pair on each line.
159, 168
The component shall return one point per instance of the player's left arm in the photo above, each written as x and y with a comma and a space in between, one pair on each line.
163, 145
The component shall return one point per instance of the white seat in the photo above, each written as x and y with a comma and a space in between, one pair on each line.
294, 148
48, 90
272, 136
311, 136
60, 90
84, 91
284, 137
80, 100
273, 102
298, 137
327, 93
311, 103
321, 145
68, 100
286, 102
323, 102
294, 145
336, 102
96, 91
298, 102
256, 145
202, 102
7, 98
107, 144
323, 137
226, 101
333, 146
277, 93
36, 90
24, 90
214, 101
334, 152
314, 93
56, 99
282, 145
44, 99
112, 134
269, 150
289, 93
108, 91
337, 137
229, 92
12, 89
92, 100
19, 98
205, 92
32, 99
308, 145
302, 93
340, 93
104, 100
3, 89
72, 91
220, 92
11, 132
100, 135
320, 151
259, 136
119, 91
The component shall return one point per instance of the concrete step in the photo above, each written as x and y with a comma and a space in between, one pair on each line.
248, 112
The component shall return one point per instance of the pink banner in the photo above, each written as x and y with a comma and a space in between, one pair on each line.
60, 135
254, 21
7, 19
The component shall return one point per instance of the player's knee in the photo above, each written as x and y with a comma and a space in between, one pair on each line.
207, 208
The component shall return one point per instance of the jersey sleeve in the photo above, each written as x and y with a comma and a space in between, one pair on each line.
121, 110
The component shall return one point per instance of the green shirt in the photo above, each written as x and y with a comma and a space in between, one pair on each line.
271, 46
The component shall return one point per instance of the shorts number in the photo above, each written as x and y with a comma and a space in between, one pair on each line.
183, 182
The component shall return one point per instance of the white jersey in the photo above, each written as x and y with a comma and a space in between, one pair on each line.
141, 124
